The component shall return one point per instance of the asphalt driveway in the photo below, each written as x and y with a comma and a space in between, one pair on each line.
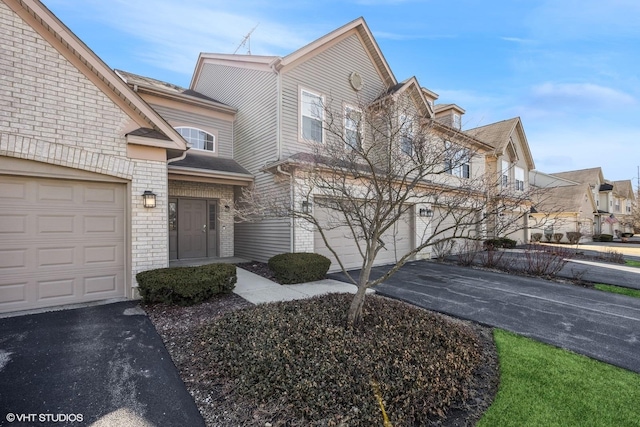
597, 324
103, 364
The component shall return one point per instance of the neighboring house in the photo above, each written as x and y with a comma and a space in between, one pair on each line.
511, 160
565, 206
78, 149
614, 200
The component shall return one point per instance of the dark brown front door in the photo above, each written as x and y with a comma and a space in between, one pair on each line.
192, 228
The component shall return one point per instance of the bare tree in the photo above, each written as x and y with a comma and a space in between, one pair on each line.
379, 163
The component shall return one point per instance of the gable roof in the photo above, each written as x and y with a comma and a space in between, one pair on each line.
359, 26
624, 189
413, 89
565, 199
591, 176
444, 107
45, 23
498, 135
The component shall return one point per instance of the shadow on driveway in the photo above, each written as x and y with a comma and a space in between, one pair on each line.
103, 363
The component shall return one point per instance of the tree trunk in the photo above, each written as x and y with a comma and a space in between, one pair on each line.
355, 309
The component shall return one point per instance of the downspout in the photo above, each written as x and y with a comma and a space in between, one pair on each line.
292, 220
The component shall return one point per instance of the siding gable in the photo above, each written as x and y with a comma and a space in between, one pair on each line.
327, 73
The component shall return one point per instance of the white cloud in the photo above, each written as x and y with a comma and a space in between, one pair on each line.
558, 94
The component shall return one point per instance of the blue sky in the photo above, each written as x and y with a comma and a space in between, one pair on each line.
568, 68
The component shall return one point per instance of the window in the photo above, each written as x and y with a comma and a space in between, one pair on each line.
173, 216
352, 126
519, 175
312, 116
505, 173
406, 134
456, 121
457, 161
198, 138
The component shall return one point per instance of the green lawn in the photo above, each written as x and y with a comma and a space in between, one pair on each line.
618, 290
632, 263
541, 385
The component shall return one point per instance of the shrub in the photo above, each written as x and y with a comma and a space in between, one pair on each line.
310, 370
468, 252
501, 242
443, 248
558, 236
606, 238
186, 285
595, 237
299, 267
574, 237
626, 235
536, 237
546, 261
548, 236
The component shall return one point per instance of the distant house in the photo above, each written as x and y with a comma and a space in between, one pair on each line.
613, 201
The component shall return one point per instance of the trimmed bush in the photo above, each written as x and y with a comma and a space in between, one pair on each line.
301, 267
558, 236
502, 242
536, 237
186, 285
603, 237
574, 237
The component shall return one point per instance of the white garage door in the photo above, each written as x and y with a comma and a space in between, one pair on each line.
61, 242
398, 241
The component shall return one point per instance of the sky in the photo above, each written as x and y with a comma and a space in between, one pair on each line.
569, 69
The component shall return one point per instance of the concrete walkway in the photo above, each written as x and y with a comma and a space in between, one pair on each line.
257, 289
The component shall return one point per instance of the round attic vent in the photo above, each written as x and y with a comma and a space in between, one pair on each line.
356, 80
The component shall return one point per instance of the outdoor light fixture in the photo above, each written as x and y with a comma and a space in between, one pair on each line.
149, 199
306, 206
425, 212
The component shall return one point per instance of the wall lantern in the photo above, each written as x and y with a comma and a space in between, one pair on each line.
306, 206
148, 199
425, 212
532, 211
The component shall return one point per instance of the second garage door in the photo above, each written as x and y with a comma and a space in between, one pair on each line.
398, 241
61, 241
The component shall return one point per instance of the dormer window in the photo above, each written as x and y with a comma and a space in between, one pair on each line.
457, 122
406, 134
198, 139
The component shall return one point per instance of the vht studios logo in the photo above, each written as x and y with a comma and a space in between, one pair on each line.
44, 418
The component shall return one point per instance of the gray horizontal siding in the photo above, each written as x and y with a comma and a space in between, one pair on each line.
254, 94
328, 74
224, 127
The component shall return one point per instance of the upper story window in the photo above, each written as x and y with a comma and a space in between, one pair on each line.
406, 134
352, 128
505, 174
457, 122
198, 138
457, 161
312, 112
519, 176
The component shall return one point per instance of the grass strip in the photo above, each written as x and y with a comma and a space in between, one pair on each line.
618, 290
632, 263
541, 385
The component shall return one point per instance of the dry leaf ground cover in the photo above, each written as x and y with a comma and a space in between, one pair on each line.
295, 364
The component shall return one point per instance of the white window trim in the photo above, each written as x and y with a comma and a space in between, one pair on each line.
505, 174
359, 125
301, 137
517, 181
213, 135
402, 120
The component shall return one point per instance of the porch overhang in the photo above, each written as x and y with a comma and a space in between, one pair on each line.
179, 173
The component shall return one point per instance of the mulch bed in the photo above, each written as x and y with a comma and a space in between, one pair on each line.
179, 326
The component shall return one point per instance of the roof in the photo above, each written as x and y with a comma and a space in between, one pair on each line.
624, 189
137, 81
498, 135
205, 161
563, 199
443, 107
590, 176
358, 25
149, 133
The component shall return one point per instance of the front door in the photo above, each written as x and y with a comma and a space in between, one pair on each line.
192, 228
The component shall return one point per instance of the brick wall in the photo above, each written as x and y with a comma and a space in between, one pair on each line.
51, 113
224, 193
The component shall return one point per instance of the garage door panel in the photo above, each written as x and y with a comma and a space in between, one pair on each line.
398, 241
66, 244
